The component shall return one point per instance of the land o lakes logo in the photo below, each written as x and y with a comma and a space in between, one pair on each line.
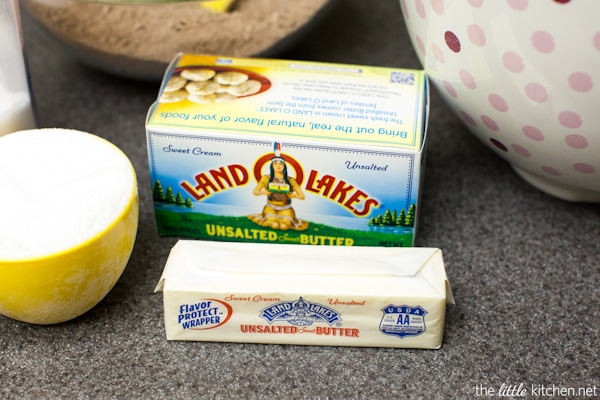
300, 313
403, 321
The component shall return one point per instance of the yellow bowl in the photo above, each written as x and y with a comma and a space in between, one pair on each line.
61, 286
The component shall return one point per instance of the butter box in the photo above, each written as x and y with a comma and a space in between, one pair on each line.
339, 296
288, 152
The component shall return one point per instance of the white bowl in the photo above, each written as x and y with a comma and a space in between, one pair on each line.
524, 77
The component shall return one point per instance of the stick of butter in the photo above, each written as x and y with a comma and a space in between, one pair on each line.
290, 294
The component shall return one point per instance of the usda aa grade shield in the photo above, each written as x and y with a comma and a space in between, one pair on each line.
403, 321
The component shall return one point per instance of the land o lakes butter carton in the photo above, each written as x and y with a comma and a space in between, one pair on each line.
328, 296
289, 152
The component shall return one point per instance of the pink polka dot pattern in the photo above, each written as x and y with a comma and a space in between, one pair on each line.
513, 62
529, 92
449, 88
476, 35
498, 144
437, 53
580, 82
542, 41
421, 46
584, 168
498, 102
521, 150
468, 119
438, 6
490, 123
452, 41
551, 171
536, 92
467, 79
404, 9
596, 41
576, 141
421, 9
518, 5
533, 133
569, 119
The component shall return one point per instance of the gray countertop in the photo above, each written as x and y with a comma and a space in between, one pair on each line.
524, 266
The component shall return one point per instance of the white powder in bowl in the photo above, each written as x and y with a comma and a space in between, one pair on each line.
58, 189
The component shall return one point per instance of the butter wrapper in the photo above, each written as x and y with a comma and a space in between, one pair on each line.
321, 295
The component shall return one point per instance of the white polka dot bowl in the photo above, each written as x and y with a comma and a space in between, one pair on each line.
524, 77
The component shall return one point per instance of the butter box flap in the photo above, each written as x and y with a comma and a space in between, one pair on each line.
189, 259
302, 100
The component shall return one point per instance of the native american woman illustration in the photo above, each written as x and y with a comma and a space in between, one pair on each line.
280, 189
